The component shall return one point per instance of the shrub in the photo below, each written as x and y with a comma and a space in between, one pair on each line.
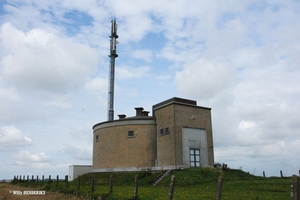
223, 166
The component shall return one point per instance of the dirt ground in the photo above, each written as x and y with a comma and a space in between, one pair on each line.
9, 192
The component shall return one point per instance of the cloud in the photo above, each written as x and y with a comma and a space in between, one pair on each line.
31, 160
41, 60
246, 125
59, 104
82, 133
10, 136
143, 54
9, 93
163, 77
124, 72
266, 156
203, 78
78, 152
98, 84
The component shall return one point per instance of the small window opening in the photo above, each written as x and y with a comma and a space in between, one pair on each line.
130, 134
167, 130
161, 131
97, 138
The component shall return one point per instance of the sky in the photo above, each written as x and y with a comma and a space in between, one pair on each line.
240, 58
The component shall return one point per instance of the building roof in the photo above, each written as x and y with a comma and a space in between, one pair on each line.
176, 100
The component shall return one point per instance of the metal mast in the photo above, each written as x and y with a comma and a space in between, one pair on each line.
113, 55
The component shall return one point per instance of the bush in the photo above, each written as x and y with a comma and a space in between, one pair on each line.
223, 166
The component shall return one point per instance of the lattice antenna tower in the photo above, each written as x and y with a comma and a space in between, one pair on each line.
113, 55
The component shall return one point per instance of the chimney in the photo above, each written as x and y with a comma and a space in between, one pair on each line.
122, 116
139, 111
145, 113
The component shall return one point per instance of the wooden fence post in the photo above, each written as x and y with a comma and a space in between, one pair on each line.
27, 178
171, 190
57, 178
37, 178
281, 174
24, 178
264, 175
32, 177
43, 178
111, 184
219, 188
49, 180
78, 183
136, 187
93, 183
295, 188
67, 181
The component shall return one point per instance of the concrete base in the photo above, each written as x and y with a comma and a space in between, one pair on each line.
134, 169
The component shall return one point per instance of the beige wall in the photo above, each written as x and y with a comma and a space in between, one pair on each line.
196, 117
165, 143
175, 116
114, 149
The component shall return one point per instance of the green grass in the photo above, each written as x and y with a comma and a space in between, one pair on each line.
199, 183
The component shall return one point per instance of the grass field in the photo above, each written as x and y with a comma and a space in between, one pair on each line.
198, 183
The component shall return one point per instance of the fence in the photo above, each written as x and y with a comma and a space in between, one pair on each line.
281, 173
294, 194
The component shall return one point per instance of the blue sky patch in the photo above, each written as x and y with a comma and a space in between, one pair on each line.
75, 19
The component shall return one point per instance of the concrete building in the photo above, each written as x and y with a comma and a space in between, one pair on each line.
178, 135
77, 170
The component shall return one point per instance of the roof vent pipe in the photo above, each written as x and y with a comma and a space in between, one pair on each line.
122, 116
145, 113
139, 111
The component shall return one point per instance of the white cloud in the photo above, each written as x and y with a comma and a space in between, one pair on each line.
268, 157
9, 93
10, 136
143, 54
203, 78
31, 160
59, 104
41, 60
244, 125
99, 84
82, 133
163, 77
124, 72
78, 152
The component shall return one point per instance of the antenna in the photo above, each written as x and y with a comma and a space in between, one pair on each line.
113, 55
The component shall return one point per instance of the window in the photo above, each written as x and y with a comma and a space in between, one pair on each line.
161, 131
130, 134
167, 130
97, 138
164, 131
195, 157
